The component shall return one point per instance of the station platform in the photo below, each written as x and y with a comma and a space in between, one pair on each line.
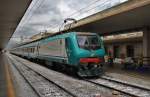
129, 75
6, 84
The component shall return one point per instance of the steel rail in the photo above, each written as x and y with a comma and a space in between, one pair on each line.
48, 79
12, 62
114, 88
101, 84
125, 83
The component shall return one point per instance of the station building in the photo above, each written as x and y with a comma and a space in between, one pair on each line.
127, 45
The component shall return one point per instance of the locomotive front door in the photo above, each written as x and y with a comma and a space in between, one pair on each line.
68, 48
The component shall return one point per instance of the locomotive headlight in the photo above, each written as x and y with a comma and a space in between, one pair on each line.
92, 55
95, 65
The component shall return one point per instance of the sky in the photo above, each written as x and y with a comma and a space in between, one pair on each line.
48, 15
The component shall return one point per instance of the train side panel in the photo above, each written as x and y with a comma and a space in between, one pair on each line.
53, 50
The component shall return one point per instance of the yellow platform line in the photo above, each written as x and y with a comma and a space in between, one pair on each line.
10, 88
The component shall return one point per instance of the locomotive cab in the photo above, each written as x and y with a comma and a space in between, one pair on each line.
91, 52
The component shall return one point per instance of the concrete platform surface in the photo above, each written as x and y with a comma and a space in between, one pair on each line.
6, 85
3, 83
131, 76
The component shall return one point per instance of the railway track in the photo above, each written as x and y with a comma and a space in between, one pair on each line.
78, 87
106, 77
86, 87
42, 86
123, 87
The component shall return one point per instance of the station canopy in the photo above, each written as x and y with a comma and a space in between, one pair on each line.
11, 12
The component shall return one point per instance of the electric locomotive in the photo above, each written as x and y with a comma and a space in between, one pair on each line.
80, 52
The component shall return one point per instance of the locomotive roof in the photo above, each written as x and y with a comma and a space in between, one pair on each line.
85, 33
78, 33
59, 33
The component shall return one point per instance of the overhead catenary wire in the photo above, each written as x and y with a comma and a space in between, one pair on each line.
29, 14
78, 12
83, 8
26, 18
39, 2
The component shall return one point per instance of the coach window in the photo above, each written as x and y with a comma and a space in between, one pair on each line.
116, 51
130, 50
60, 41
33, 50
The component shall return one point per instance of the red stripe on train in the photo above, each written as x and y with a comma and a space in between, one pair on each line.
91, 60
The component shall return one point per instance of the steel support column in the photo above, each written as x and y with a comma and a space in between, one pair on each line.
146, 45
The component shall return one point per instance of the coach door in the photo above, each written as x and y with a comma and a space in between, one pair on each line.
37, 49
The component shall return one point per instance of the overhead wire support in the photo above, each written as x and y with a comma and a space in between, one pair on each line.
65, 21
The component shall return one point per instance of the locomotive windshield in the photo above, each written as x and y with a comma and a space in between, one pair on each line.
89, 42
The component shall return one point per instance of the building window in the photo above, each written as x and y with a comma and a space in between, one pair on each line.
130, 50
116, 51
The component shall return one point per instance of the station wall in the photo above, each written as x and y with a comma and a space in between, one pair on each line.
125, 49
